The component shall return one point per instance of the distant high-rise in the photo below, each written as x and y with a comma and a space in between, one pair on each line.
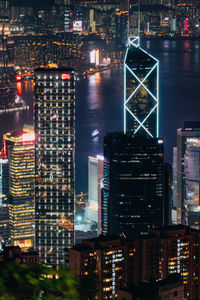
20, 151
192, 182
55, 144
133, 184
189, 130
4, 196
141, 91
4, 180
121, 21
95, 177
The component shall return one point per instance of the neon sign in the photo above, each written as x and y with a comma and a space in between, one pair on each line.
28, 137
65, 76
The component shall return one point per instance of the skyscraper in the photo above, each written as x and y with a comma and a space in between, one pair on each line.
20, 151
121, 21
55, 143
4, 196
189, 130
4, 180
133, 184
141, 91
95, 177
192, 182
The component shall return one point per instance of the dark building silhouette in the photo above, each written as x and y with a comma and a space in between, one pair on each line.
133, 184
14, 253
167, 186
170, 288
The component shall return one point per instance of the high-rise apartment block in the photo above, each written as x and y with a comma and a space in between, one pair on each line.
55, 142
108, 258
19, 148
141, 91
190, 130
95, 177
119, 262
133, 184
170, 288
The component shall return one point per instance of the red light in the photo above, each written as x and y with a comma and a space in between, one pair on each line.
28, 137
19, 77
65, 76
19, 88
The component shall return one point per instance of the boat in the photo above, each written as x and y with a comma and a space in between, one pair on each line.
95, 133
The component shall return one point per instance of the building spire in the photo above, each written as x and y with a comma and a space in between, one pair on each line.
139, 18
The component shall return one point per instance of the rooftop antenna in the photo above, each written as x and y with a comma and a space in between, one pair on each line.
139, 18
128, 29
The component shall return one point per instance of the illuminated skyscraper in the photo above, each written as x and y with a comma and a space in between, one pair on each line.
189, 130
95, 177
192, 182
141, 91
4, 180
20, 151
55, 143
4, 195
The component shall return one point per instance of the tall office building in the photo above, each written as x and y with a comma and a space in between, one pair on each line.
133, 184
55, 143
95, 177
192, 182
4, 196
189, 130
19, 147
141, 91
4, 180
121, 21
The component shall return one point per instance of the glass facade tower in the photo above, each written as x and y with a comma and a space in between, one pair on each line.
95, 177
55, 144
133, 184
20, 151
192, 182
191, 129
141, 91
4, 196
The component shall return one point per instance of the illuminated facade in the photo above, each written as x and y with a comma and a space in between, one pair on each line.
133, 199
192, 182
191, 129
55, 143
95, 177
4, 180
20, 151
4, 195
141, 91
107, 258
173, 250
118, 261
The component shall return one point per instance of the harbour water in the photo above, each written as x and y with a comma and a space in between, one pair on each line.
99, 101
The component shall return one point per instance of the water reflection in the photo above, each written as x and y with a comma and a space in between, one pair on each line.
19, 88
95, 99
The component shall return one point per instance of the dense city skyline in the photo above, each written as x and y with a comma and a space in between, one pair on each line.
100, 144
